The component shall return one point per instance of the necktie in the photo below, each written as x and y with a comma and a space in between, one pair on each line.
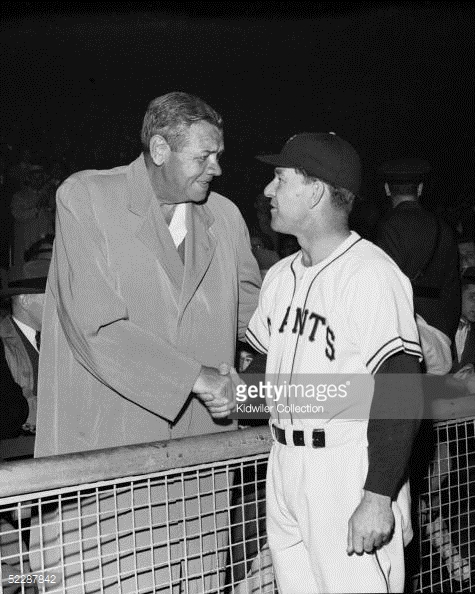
38, 339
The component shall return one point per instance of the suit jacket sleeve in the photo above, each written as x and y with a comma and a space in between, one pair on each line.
135, 363
13, 405
249, 280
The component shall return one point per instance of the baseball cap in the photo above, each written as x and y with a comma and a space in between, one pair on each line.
321, 154
404, 170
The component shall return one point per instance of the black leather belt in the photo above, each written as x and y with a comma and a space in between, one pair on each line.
298, 437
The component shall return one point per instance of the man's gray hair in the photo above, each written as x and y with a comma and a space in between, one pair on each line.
171, 116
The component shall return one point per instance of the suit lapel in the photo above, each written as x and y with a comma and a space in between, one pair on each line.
152, 230
200, 246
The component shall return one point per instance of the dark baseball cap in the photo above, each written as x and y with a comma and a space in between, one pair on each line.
404, 170
321, 154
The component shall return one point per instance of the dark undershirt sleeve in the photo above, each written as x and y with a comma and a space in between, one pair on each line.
396, 411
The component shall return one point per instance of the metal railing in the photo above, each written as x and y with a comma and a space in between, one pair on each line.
185, 515
188, 515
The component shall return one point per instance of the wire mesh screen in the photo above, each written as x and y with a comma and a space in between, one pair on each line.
201, 530
446, 512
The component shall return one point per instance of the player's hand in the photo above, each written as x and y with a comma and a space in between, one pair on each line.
371, 525
216, 389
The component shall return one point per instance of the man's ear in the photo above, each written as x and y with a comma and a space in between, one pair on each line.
419, 189
386, 189
159, 149
318, 192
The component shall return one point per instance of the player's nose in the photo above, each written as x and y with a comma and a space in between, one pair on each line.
269, 190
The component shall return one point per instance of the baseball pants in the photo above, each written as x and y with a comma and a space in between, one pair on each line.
311, 495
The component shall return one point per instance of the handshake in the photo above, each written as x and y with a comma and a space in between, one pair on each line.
216, 388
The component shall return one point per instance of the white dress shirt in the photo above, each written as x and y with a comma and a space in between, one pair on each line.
461, 337
29, 332
177, 225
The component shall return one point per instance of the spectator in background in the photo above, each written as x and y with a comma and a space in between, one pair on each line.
424, 248
466, 247
24, 286
464, 358
460, 215
32, 208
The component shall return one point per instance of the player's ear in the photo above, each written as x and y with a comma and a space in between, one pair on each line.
159, 149
386, 189
419, 189
318, 192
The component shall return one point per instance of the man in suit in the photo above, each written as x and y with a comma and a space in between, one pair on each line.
152, 280
22, 288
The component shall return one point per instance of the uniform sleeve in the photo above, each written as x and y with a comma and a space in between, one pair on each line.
142, 367
395, 415
249, 279
381, 314
258, 331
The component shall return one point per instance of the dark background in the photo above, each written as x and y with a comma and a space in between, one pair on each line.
395, 79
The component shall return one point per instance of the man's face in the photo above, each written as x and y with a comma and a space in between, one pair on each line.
187, 173
34, 304
290, 200
468, 302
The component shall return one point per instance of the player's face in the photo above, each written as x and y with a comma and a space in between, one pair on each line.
289, 200
468, 303
186, 174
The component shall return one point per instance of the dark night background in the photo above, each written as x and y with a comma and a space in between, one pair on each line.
395, 79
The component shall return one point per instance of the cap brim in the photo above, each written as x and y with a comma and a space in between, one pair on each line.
277, 161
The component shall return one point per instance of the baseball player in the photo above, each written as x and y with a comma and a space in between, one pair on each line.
338, 506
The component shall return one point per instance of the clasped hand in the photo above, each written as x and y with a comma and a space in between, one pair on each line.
216, 388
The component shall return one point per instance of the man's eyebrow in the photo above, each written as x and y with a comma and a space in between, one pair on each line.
278, 170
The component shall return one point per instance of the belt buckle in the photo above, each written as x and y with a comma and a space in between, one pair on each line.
318, 438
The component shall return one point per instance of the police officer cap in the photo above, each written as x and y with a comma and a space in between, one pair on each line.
404, 170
